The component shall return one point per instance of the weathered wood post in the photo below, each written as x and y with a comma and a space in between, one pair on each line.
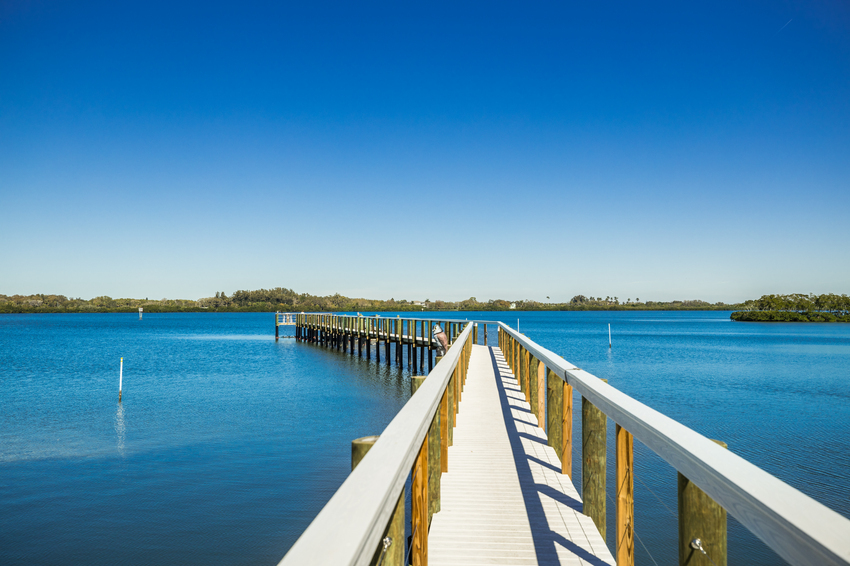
702, 526
276, 328
475, 333
485, 334
395, 528
377, 341
387, 324
593, 460
625, 498
359, 448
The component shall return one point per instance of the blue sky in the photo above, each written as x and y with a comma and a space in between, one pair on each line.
661, 151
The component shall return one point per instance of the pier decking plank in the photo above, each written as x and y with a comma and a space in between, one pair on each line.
504, 500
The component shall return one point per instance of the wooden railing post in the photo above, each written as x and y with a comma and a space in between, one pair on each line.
700, 519
395, 528
555, 418
434, 455
450, 390
625, 498
593, 460
435, 467
523, 372
567, 430
419, 508
444, 432
540, 386
533, 366
457, 378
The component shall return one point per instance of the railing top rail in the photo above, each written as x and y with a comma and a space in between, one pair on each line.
795, 526
431, 319
348, 529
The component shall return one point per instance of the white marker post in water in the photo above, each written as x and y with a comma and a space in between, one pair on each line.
609, 334
120, 379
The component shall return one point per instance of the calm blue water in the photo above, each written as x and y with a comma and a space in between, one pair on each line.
227, 444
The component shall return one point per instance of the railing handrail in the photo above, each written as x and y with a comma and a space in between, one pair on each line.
432, 319
349, 527
798, 528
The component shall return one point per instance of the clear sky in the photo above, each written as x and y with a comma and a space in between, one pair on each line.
654, 150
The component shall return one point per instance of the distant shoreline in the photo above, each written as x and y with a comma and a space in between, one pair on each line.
152, 309
769, 308
787, 316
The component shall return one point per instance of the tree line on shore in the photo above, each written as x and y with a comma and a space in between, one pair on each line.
287, 300
796, 307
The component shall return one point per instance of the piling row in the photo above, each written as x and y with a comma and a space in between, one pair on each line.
358, 334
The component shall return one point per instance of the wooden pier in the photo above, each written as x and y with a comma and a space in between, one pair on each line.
485, 443
357, 334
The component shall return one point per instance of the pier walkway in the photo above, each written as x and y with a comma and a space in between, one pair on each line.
504, 500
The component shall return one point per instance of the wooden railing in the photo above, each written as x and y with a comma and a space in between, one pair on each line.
363, 521
795, 526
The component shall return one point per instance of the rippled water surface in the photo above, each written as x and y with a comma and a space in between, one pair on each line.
224, 448
227, 443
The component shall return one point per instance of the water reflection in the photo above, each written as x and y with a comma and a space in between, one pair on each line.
120, 429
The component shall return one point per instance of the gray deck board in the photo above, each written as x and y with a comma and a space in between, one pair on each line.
504, 500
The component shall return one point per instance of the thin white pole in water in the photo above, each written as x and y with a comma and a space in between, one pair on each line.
120, 379
609, 334
517, 325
